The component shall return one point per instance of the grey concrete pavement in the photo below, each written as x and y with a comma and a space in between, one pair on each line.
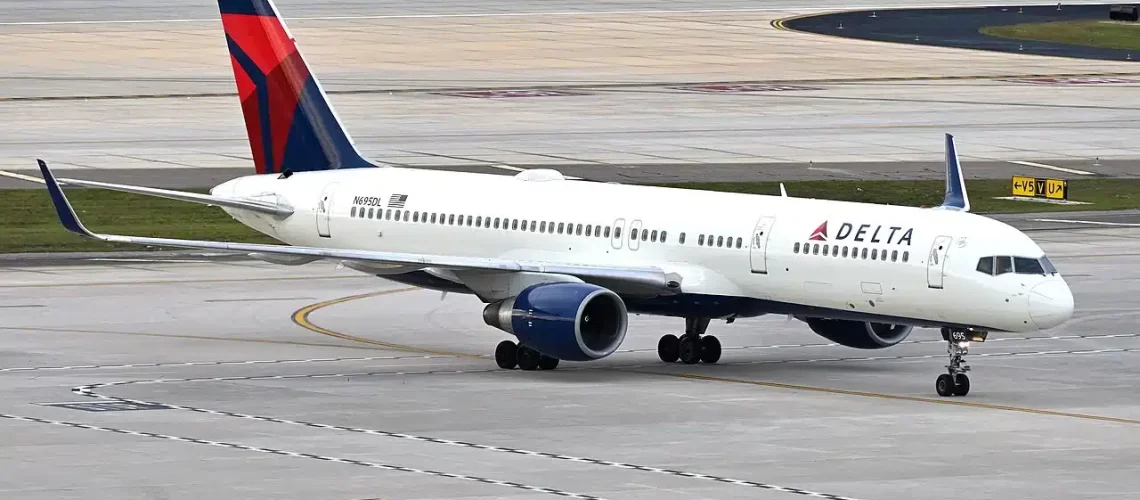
259, 405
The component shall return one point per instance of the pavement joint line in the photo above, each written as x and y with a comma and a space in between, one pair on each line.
176, 282
89, 391
295, 454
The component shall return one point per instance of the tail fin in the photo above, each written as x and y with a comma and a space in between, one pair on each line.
290, 123
956, 197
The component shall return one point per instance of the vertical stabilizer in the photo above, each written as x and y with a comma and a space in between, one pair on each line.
290, 123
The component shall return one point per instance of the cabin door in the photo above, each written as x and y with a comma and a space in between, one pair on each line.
324, 210
758, 248
936, 261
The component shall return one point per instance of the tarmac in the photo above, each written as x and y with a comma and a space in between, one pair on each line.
179, 375
145, 378
628, 91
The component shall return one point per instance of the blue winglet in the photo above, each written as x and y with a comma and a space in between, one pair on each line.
956, 197
62, 207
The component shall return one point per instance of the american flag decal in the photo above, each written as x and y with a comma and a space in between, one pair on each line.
397, 201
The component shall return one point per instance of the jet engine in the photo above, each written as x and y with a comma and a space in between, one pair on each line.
859, 334
570, 321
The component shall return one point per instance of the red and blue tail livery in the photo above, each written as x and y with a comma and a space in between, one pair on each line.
290, 123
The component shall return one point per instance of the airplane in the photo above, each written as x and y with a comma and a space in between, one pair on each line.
561, 264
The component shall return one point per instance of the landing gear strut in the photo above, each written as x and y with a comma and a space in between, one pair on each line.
691, 347
955, 382
508, 355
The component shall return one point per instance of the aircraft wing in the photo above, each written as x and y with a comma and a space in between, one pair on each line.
205, 199
641, 277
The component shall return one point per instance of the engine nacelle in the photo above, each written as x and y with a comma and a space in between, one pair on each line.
859, 334
570, 321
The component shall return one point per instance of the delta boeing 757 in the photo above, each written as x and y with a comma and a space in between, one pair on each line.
561, 263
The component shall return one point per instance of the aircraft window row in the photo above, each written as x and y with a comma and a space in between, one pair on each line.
852, 252
551, 227
1002, 264
589, 230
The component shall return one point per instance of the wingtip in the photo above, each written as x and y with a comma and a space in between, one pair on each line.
63, 208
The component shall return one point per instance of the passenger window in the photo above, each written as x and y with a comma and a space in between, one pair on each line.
589, 230
906, 256
845, 251
617, 232
416, 216
739, 242
433, 216
681, 239
826, 250
352, 213
894, 255
532, 226
451, 219
719, 240
864, 256
815, 249
607, 231
701, 240
561, 226
796, 248
388, 214
1023, 265
1003, 265
578, 230
369, 213
986, 265
653, 236
874, 254
644, 235
515, 224
662, 236
633, 234
542, 227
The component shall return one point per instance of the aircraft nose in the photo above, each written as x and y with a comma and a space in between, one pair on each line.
1050, 303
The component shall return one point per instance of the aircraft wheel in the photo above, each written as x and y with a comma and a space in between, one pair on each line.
528, 358
547, 362
506, 355
690, 351
962, 387
710, 349
669, 348
944, 385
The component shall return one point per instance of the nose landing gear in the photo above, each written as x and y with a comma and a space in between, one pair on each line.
955, 382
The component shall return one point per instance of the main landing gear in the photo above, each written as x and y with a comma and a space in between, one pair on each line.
691, 347
508, 355
955, 382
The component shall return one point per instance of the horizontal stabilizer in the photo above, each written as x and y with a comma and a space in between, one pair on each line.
205, 199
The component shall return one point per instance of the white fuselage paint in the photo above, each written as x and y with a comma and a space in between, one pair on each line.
931, 287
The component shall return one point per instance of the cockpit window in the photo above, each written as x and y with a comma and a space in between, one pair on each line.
1025, 265
1048, 266
986, 265
1004, 265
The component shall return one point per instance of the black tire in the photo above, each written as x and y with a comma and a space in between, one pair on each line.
547, 363
962, 387
528, 358
506, 355
690, 352
944, 385
710, 349
669, 348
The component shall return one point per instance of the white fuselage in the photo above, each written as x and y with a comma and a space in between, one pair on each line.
901, 264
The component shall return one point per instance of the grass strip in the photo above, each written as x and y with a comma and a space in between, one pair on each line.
28, 222
1103, 34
